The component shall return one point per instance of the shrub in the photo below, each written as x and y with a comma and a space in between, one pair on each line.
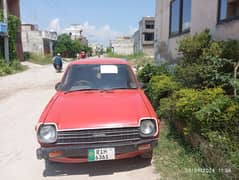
192, 47
190, 101
205, 107
161, 87
207, 63
212, 115
149, 70
166, 110
193, 76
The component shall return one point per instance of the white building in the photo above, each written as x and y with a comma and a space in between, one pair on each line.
75, 31
96, 48
37, 41
122, 45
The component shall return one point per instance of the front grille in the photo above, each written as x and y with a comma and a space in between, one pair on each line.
99, 136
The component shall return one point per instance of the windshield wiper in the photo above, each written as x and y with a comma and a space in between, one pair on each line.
75, 90
120, 88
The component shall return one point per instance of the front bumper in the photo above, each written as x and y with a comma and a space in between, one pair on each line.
79, 153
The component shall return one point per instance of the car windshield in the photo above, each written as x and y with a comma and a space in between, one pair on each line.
98, 77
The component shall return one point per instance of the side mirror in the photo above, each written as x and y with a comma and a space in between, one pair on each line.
58, 86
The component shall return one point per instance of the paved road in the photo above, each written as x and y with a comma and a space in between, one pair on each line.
22, 99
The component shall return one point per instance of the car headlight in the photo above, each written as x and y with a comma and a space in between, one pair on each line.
47, 134
148, 127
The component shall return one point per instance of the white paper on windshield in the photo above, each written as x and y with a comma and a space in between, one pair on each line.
108, 69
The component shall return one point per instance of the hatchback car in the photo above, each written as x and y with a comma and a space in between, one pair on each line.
99, 112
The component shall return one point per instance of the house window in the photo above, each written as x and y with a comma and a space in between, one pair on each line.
228, 10
149, 36
180, 17
149, 24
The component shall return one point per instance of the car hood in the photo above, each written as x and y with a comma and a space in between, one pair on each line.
95, 109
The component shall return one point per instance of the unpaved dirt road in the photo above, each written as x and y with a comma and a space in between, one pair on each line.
22, 99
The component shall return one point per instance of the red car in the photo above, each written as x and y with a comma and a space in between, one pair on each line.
99, 112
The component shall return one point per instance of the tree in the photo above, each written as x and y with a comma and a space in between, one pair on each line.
63, 45
68, 47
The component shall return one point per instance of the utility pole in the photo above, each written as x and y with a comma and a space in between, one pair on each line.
6, 45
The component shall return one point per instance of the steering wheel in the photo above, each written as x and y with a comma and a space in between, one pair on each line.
83, 83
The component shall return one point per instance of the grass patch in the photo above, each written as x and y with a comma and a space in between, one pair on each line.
10, 68
40, 59
137, 59
174, 160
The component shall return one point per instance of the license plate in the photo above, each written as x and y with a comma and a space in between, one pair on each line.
101, 154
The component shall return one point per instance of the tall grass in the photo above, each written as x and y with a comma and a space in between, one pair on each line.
10, 68
40, 59
137, 59
174, 160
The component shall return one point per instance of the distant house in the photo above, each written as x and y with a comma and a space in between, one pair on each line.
75, 31
177, 18
14, 9
122, 45
144, 37
96, 48
37, 41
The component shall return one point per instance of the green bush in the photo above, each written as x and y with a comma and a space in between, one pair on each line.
230, 50
195, 76
207, 63
192, 47
205, 106
190, 101
161, 87
209, 113
166, 110
219, 115
150, 70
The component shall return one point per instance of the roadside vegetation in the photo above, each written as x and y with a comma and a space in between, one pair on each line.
176, 160
13, 24
198, 98
10, 68
14, 65
137, 59
38, 59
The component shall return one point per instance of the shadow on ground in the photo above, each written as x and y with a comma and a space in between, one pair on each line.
95, 168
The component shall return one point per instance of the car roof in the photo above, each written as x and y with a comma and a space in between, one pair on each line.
100, 61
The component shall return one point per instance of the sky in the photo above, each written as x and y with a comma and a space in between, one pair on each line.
102, 20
